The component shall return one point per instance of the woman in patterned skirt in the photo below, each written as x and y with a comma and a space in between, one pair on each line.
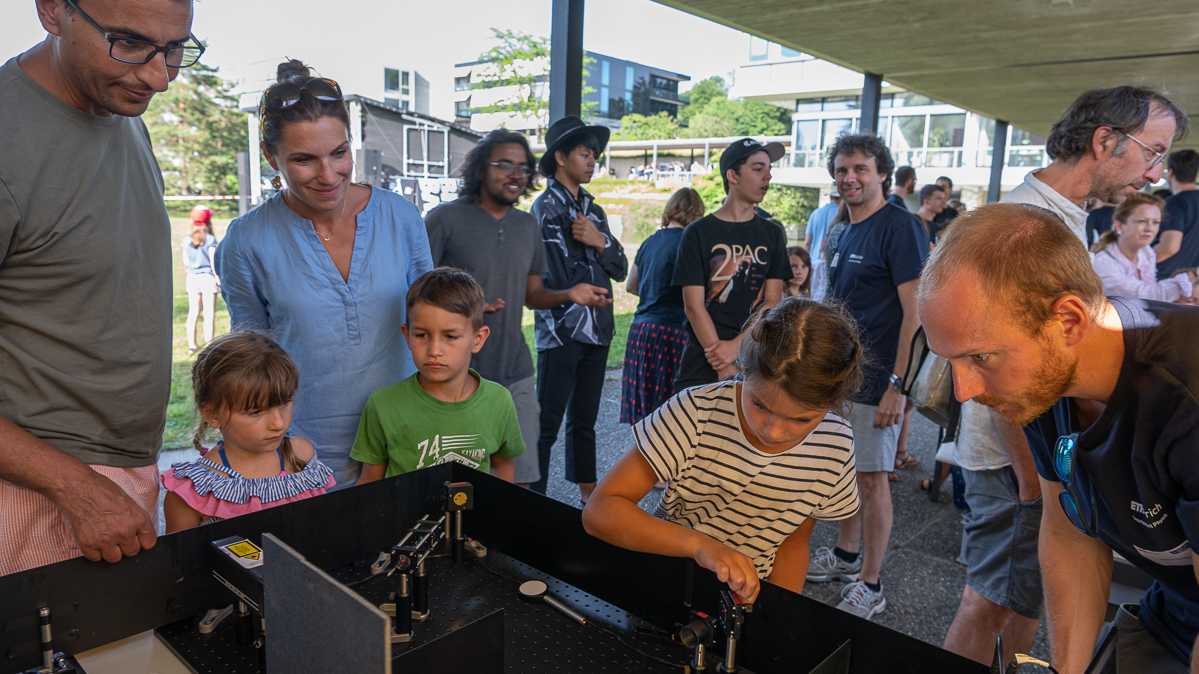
658, 333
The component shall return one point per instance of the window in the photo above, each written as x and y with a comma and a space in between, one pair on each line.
759, 49
946, 130
605, 71
808, 105
462, 108
806, 143
1026, 149
393, 102
907, 133
789, 53
603, 97
910, 100
834, 129
841, 103
462, 83
404, 83
391, 79
886, 101
630, 79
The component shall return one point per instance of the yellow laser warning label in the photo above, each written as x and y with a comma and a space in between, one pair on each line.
244, 552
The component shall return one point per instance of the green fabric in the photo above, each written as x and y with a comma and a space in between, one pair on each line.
408, 429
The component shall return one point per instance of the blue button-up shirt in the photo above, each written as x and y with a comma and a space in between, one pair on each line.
344, 336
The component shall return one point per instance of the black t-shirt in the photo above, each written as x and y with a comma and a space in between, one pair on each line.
1098, 222
1140, 460
941, 221
897, 200
732, 261
872, 259
661, 300
1182, 215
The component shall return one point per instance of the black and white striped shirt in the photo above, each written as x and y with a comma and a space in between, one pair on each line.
724, 487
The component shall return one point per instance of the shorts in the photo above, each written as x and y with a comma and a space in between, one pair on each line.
201, 284
33, 531
528, 415
1000, 541
873, 448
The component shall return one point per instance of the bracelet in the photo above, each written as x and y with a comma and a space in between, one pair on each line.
895, 382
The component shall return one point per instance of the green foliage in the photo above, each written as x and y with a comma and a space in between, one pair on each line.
700, 94
522, 61
642, 220
646, 127
197, 132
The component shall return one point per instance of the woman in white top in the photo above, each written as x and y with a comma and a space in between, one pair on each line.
1126, 262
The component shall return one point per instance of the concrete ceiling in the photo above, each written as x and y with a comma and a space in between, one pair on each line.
1019, 60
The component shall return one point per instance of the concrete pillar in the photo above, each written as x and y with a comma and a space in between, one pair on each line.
998, 158
566, 59
872, 92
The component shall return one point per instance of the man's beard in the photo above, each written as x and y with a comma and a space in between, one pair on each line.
501, 198
1052, 378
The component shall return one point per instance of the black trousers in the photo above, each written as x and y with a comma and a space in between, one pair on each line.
570, 380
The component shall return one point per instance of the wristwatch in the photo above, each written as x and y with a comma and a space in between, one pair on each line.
895, 382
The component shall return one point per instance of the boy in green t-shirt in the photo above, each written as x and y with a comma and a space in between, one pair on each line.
446, 411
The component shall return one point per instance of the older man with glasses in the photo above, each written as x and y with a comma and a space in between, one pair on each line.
85, 280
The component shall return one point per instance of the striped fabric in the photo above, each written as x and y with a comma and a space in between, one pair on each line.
722, 486
208, 477
33, 532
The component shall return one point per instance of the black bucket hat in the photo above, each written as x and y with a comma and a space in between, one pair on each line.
565, 132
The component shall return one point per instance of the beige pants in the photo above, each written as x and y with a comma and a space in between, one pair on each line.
33, 531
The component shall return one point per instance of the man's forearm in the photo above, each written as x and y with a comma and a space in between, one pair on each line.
1076, 572
545, 298
34, 464
1022, 464
907, 330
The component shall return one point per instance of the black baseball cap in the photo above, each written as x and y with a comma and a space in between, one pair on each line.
740, 149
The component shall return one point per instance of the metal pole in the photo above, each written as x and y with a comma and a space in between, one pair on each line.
243, 183
872, 91
566, 59
998, 157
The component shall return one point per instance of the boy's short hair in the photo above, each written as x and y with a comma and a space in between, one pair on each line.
450, 289
928, 191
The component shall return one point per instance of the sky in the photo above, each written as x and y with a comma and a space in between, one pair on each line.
246, 38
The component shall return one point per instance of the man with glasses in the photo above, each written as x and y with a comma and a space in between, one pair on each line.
1108, 392
483, 232
1102, 148
85, 280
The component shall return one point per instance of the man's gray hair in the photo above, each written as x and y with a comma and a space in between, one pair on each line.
1123, 108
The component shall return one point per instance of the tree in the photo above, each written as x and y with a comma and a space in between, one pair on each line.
646, 127
521, 60
705, 90
755, 118
197, 132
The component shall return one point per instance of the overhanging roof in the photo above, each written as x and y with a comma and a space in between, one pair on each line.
1023, 61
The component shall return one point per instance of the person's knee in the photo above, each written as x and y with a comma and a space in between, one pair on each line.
873, 485
982, 613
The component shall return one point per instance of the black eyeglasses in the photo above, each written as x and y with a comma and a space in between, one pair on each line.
511, 168
1080, 511
136, 51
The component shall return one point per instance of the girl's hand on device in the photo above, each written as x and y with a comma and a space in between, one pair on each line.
731, 567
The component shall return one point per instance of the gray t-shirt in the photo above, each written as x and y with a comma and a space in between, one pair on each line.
1036, 193
85, 278
501, 255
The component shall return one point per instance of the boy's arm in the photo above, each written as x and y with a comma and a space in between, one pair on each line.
791, 561
372, 472
612, 515
504, 468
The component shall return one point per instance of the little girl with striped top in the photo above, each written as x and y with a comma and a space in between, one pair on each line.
750, 464
244, 384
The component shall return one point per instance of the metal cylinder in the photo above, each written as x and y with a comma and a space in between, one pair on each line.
402, 623
43, 619
459, 540
420, 593
730, 654
698, 662
245, 628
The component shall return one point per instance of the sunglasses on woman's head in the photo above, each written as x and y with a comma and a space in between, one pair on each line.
289, 94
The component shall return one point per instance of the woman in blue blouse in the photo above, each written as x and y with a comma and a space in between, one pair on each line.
324, 266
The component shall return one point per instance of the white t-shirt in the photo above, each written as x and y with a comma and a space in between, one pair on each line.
724, 487
980, 445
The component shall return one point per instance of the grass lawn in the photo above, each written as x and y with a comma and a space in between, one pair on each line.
181, 415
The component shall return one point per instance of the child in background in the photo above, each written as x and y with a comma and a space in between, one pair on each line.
750, 465
800, 284
446, 411
244, 383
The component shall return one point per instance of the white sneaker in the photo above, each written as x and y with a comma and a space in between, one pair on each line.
861, 601
826, 566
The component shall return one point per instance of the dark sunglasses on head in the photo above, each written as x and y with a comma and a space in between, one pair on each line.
289, 94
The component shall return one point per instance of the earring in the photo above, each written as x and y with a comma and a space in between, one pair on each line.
277, 183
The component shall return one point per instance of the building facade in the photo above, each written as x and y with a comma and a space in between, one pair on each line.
612, 88
405, 89
933, 137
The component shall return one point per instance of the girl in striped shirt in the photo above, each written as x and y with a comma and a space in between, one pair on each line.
244, 384
749, 464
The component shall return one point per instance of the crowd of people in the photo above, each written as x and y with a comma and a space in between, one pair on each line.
764, 383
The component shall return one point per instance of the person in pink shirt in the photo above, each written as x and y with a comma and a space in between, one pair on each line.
1124, 258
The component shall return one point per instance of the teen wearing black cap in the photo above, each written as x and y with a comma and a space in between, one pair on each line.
730, 263
573, 339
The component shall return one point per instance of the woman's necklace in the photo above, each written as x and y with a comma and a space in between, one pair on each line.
323, 237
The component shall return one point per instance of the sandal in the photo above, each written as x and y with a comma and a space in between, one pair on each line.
906, 462
894, 477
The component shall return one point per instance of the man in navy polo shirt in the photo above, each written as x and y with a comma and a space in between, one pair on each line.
873, 271
1109, 392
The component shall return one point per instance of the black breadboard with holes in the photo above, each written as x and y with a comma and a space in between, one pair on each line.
537, 638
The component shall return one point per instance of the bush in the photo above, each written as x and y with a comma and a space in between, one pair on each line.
642, 220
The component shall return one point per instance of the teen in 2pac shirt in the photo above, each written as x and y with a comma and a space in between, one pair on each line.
730, 263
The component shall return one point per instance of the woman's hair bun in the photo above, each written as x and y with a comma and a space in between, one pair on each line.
292, 69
